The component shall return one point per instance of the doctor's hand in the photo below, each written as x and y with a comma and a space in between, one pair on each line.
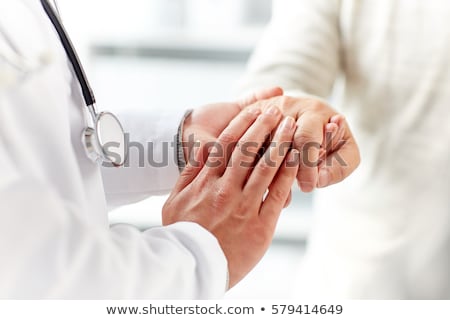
223, 187
206, 123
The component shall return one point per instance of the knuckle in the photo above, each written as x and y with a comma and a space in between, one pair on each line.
245, 205
278, 194
305, 135
246, 117
187, 172
267, 121
227, 138
264, 167
200, 181
221, 198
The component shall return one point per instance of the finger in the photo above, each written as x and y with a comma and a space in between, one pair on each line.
244, 157
338, 138
288, 201
221, 150
322, 155
308, 140
193, 167
330, 132
280, 189
340, 163
267, 167
260, 95
338, 120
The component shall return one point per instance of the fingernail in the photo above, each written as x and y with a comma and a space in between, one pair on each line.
288, 124
324, 178
254, 110
306, 186
273, 111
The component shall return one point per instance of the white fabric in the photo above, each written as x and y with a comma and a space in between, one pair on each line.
55, 241
385, 232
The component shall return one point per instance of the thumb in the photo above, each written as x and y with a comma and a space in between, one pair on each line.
193, 167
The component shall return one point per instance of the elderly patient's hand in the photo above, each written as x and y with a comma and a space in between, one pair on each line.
225, 191
328, 150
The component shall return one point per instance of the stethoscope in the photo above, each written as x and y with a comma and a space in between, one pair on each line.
103, 138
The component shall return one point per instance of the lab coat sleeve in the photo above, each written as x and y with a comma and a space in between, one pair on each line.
299, 51
151, 167
50, 249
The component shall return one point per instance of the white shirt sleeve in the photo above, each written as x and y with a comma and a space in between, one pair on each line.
151, 167
50, 249
300, 49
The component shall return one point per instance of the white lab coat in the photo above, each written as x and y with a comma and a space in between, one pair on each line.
55, 240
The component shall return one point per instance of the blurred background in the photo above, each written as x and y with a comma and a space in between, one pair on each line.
181, 54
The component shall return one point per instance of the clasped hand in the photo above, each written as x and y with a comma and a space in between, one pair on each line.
237, 192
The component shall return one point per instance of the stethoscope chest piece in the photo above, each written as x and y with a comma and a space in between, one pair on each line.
105, 142
103, 138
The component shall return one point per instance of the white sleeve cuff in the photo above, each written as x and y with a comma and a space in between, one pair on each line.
209, 278
152, 165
